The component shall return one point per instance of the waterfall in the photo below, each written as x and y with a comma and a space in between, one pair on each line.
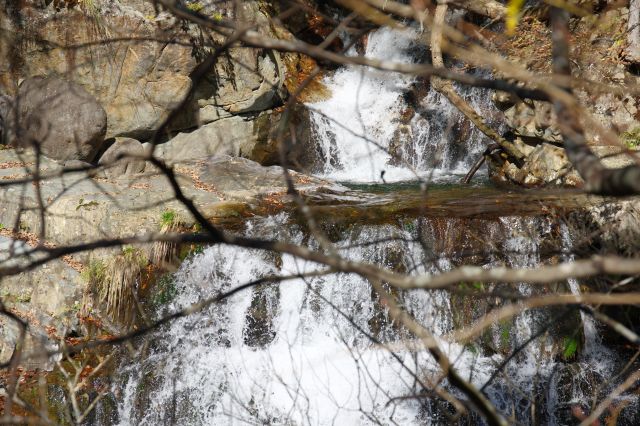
368, 131
301, 351
322, 349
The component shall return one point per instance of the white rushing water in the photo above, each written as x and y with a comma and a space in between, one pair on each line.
301, 352
360, 128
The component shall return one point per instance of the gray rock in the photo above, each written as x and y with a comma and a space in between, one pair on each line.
6, 119
240, 174
249, 137
119, 159
88, 168
60, 117
237, 177
50, 295
546, 163
76, 164
218, 138
250, 87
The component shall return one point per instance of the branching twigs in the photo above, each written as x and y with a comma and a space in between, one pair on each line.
511, 310
479, 401
77, 381
606, 403
190, 310
598, 179
446, 87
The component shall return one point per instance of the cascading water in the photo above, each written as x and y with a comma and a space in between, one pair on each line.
321, 350
368, 131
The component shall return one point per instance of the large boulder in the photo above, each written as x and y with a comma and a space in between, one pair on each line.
300, 149
60, 117
123, 158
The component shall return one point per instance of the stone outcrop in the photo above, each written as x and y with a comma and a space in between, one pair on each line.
50, 297
251, 136
123, 158
547, 165
138, 64
225, 136
597, 56
81, 208
59, 117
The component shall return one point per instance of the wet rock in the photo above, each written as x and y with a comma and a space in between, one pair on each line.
400, 146
571, 383
300, 150
259, 330
60, 117
116, 160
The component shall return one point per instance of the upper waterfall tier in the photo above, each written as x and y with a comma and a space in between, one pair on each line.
380, 126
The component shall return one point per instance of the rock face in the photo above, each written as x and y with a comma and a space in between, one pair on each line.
140, 82
50, 296
250, 136
60, 117
116, 160
614, 118
220, 137
547, 164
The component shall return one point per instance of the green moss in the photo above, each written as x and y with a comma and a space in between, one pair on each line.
505, 333
135, 255
195, 7
165, 291
631, 138
570, 348
94, 272
168, 218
